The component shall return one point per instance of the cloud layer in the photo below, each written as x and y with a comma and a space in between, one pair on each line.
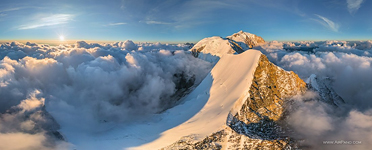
95, 84
105, 84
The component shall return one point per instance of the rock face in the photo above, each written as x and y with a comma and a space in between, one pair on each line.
257, 122
255, 125
270, 87
228, 139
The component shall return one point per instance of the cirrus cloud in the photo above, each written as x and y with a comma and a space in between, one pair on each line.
48, 21
353, 5
117, 24
327, 23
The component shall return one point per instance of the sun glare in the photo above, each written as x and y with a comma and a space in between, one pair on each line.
61, 38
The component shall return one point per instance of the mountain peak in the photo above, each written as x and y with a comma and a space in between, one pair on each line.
245, 38
218, 46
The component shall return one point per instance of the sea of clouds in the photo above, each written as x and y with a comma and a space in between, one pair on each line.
85, 85
348, 65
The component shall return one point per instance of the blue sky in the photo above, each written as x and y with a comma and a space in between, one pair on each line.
184, 20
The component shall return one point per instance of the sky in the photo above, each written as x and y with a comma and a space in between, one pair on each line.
184, 20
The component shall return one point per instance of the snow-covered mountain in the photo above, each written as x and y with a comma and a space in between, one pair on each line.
240, 104
246, 40
257, 104
218, 46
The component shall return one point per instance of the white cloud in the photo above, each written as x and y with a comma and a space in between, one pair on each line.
156, 22
10, 9
52, 20
327, 23
3, 12
11, 141
316, 122
117, 24
32, 103
94, 83
353, 5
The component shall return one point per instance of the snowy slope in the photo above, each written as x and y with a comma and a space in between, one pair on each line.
204, 111
229, 84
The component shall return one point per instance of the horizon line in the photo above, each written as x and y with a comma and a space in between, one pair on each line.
72, 41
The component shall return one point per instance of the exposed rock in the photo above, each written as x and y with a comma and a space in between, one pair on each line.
228, 139
270, 87
324, 89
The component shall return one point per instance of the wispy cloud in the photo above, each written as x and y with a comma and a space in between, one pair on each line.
156, 22
291, 6
174, 13
117, 24
327, 23
48, 21
3, 12
10, 9
353, 5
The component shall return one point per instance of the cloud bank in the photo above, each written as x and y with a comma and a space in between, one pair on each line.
88, 87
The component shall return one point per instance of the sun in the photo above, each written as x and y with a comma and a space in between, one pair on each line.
61, 38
